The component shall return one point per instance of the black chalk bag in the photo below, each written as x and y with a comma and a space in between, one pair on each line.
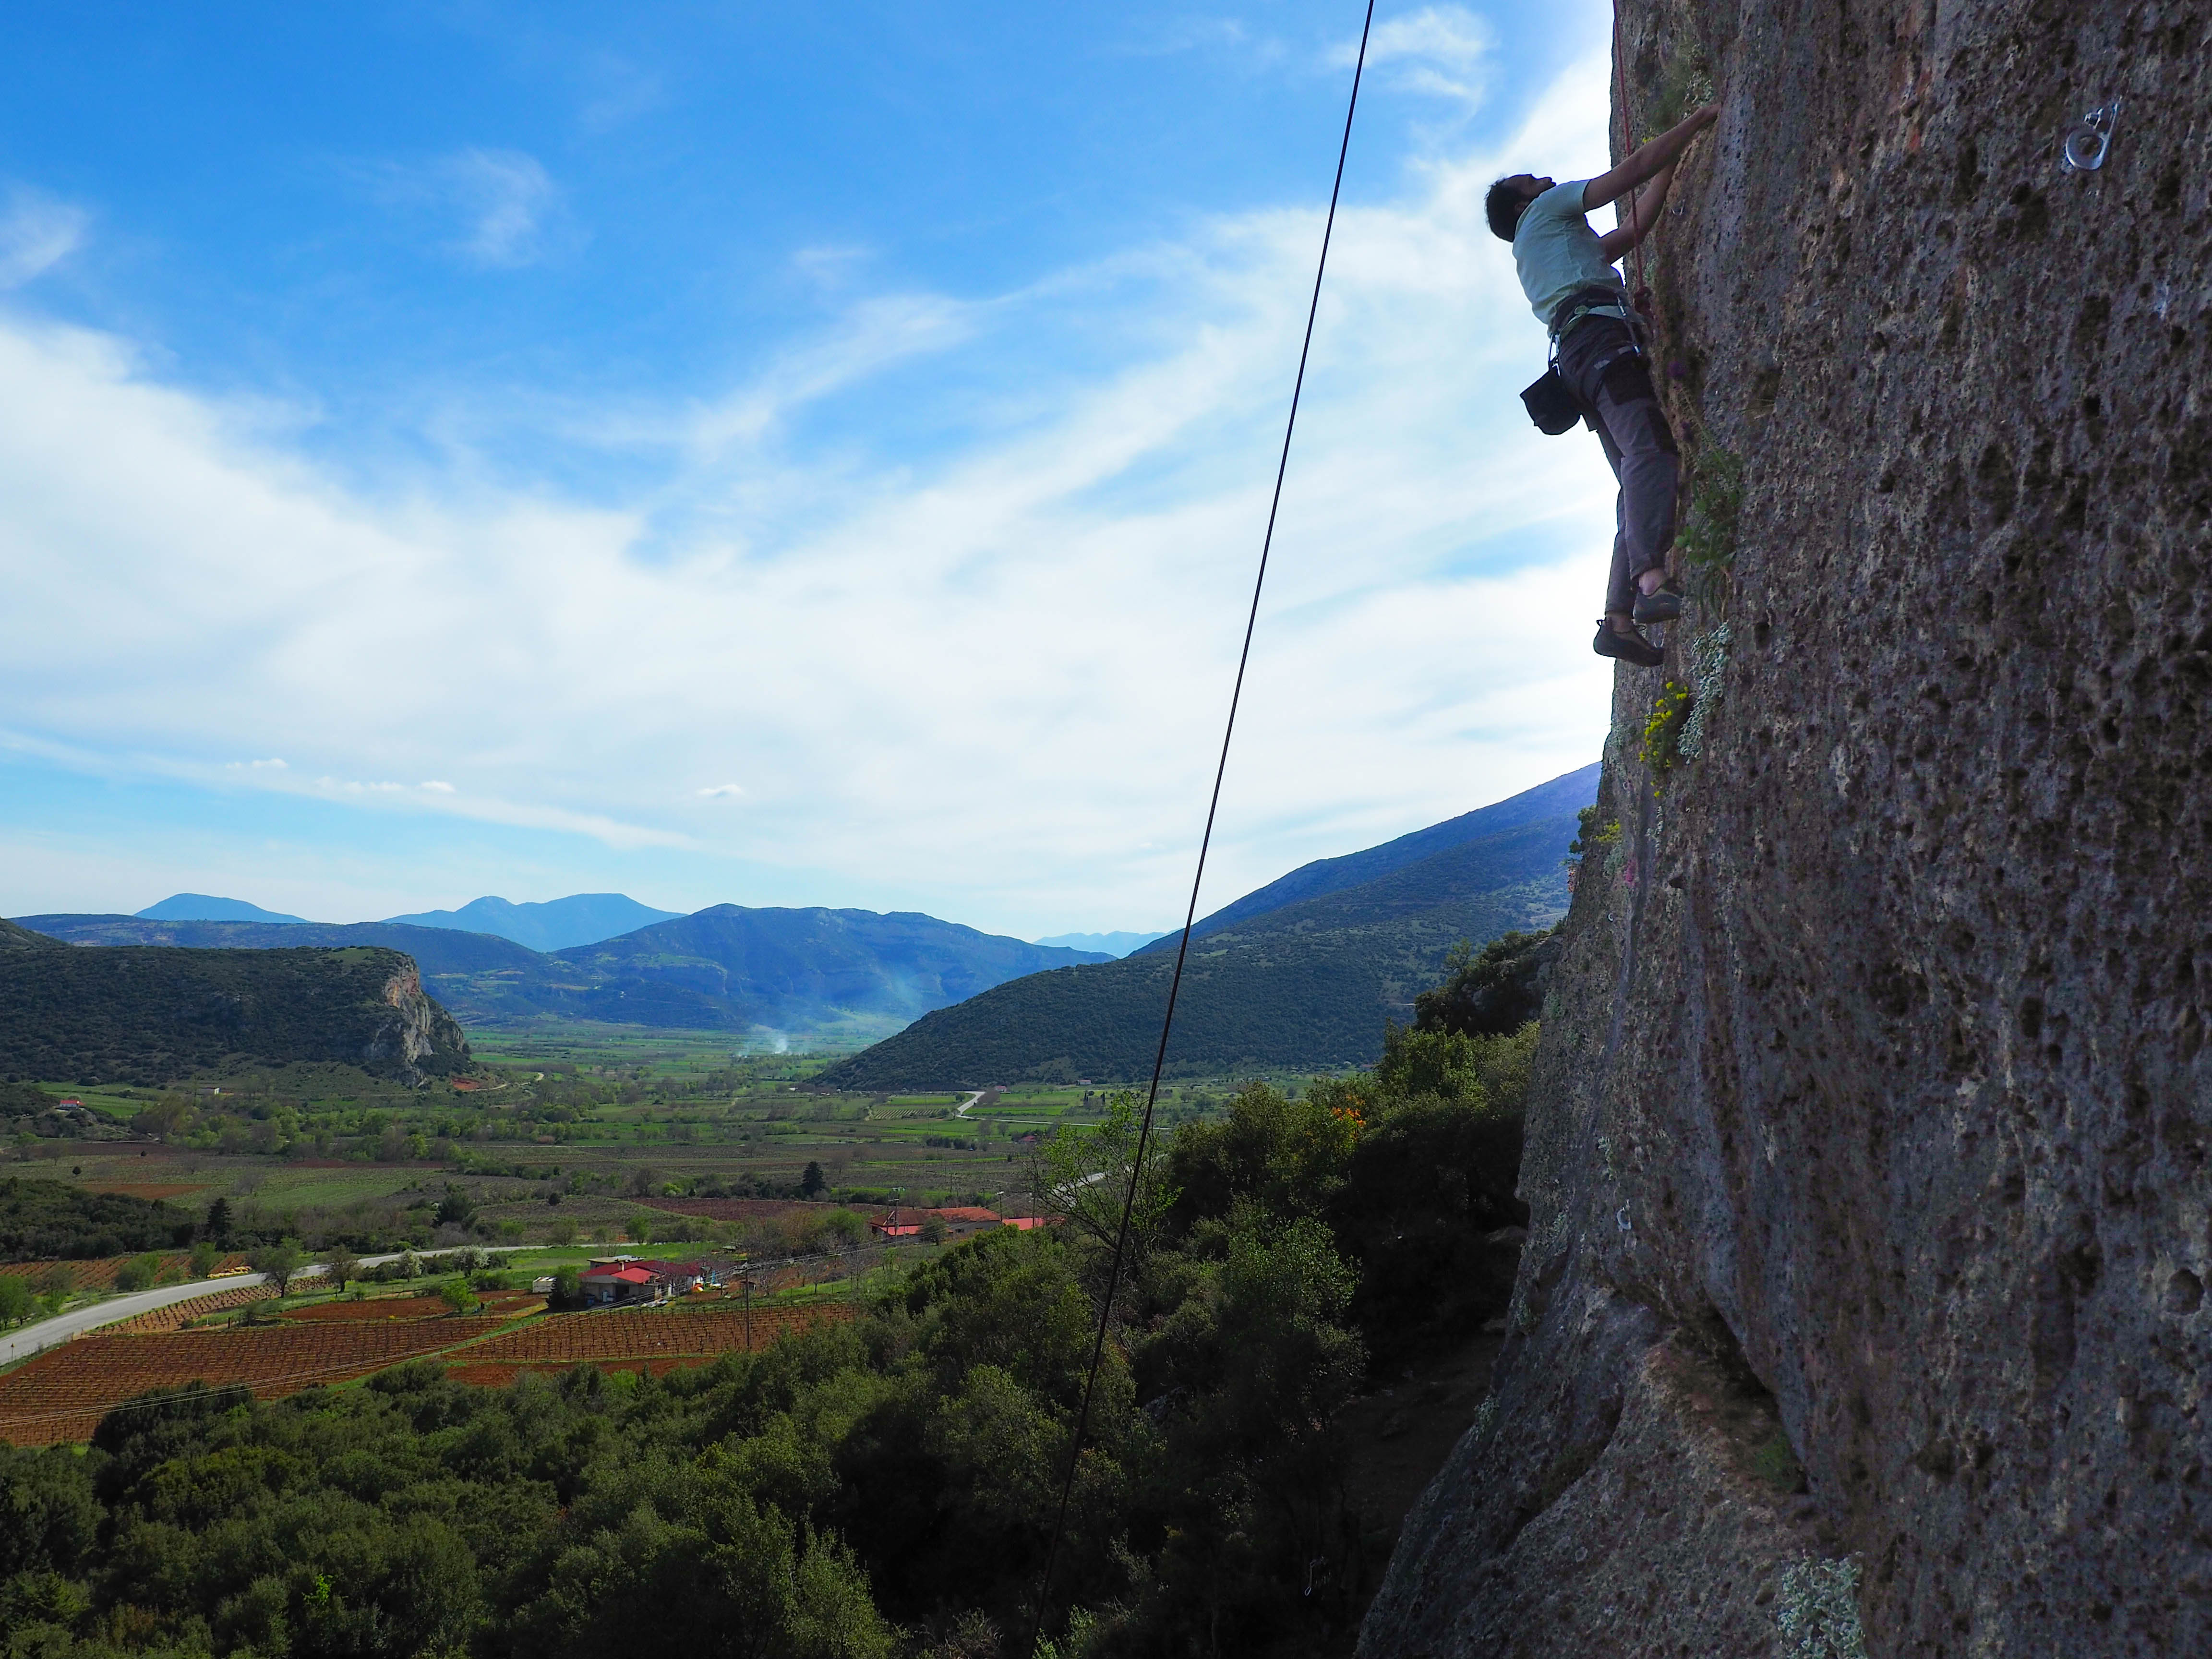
1549, 405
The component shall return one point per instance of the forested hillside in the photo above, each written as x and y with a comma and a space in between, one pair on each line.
727, 968
1555, 802
150, 1014
42, 1220
1306, 985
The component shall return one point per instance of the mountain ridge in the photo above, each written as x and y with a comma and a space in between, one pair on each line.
545, 925
1569, 793
206, 907
1305, 984
680, 977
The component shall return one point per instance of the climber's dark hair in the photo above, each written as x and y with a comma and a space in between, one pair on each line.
1504, 206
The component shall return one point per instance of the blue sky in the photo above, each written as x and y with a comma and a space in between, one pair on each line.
774, 455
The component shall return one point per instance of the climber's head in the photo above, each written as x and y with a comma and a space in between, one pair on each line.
1507, 200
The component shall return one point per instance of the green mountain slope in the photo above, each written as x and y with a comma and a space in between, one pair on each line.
1304, 984
1563, 797
152, 1014
481, 978
12, 938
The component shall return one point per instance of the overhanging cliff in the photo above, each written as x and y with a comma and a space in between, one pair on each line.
1864, 1294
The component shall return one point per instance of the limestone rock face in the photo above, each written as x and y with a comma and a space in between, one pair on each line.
418, 1039
1863, 1301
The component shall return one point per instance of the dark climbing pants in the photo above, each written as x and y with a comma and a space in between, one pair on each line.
1612, 384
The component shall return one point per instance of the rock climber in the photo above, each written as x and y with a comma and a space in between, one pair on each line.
1567, 270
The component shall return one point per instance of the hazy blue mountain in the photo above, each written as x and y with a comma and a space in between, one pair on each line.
1111, 944
725, 968
1305, 983
203, 907
1563, 796
551, 925
795, 969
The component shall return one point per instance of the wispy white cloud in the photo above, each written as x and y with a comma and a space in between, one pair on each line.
722, 791
618, 92
495, 209
1202, 33
1443, 51
37, 233
508, 198
987, 673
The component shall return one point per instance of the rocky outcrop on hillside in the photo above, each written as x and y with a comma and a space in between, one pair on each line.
1863, 1305
154, 1014
418, 1040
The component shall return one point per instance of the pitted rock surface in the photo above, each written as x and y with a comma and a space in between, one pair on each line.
1873, 1087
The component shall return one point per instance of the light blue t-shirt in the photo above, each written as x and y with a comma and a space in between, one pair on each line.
1556, 251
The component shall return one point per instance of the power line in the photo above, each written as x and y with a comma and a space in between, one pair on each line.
1205, 842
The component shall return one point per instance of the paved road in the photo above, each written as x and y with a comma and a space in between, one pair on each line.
17, 1345
961, 1111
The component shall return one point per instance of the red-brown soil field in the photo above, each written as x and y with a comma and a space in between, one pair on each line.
563, 1340
506, 1304
62, 1393
178, 1314
99, 1273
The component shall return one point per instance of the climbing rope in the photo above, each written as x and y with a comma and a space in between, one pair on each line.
1204, 841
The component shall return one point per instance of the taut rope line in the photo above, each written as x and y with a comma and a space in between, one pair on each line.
1206, 840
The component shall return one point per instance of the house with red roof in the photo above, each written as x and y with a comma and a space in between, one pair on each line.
619, 1280
956, 1218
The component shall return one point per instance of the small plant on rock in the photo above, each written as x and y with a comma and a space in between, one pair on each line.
1707, 539
1660, 747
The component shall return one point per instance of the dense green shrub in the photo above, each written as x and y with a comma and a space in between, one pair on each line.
41, 1219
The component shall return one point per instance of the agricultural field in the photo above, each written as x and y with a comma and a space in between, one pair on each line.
63, 1393
233, 1339
568, 1135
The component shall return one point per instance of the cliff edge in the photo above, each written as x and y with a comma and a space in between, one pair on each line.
1863, 1309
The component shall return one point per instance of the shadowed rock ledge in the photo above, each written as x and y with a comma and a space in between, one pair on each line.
1864, 1302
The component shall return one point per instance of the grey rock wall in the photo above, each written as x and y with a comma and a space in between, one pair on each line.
1864, 1302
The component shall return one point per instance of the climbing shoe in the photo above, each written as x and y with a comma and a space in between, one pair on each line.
1663, 604
1629, 648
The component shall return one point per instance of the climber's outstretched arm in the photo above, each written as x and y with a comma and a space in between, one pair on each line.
1642, 216
1646, 160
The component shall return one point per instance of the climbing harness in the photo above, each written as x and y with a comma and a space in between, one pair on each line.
1204, 841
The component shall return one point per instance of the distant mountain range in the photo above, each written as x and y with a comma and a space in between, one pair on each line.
1111, 944
204, 907
1302, 973
554, 925
812, 973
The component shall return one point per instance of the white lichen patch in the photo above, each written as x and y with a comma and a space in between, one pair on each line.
1816, 1610
1708, 655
